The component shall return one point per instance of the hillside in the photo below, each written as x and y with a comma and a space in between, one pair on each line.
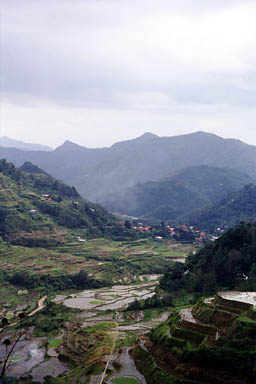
230, 211
98, 172
214, 341
227, 263
177, 195
38, 210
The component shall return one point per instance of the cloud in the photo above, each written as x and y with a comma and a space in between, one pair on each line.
88, 52
131, 58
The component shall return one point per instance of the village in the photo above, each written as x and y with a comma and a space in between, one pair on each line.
182, 233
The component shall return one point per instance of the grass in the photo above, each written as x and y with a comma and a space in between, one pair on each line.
98, 327
54, 343
102, 249
128, 341
124, 380
96, 302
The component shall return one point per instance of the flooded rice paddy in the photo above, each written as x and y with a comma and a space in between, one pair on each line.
116, 297
245, 297
35, 357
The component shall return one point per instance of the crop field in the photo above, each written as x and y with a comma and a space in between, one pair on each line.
84, 325
105, 259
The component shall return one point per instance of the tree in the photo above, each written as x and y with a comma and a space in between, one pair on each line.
21, 316
4, 322
127, 224
6, 361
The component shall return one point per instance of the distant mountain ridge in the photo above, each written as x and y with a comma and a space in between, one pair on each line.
182, 192
99, 172
238, 206
11, 143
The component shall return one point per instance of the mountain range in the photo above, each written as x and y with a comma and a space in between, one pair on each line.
177, 195
154, 177
11, 143
100, 171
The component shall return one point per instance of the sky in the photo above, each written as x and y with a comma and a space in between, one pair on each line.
100, 71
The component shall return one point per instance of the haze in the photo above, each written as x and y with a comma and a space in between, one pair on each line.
100, 71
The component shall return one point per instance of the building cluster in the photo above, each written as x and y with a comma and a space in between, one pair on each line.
199, 237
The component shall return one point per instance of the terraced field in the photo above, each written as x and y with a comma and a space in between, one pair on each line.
95, 318
100, 327
112, 260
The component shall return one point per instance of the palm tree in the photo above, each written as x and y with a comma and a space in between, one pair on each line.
4, 321
7, 342
21, 317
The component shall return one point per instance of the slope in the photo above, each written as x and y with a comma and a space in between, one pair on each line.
214, 341
227, 263
38, 210
185, 190
230, 211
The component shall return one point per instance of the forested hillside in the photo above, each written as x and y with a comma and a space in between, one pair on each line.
177, 195
228, 263
230, 211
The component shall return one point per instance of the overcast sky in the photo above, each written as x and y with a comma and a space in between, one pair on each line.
100, 71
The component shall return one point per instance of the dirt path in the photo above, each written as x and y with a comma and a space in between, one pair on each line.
40, 305
112, 350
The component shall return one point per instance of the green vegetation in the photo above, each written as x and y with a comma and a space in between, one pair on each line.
36, 210
54, 343
229, 212
221, 342
153, 373
99, 327
49, 321
228, 263
173, 197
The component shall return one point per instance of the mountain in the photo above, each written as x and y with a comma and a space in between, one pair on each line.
230, 211
177, 195
11, 143
101, 171
38, 210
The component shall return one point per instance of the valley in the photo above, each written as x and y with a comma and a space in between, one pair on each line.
127, 192
97, 318
88, 299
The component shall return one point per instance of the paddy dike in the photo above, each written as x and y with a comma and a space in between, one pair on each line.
94, 335
212, 342
117, 297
